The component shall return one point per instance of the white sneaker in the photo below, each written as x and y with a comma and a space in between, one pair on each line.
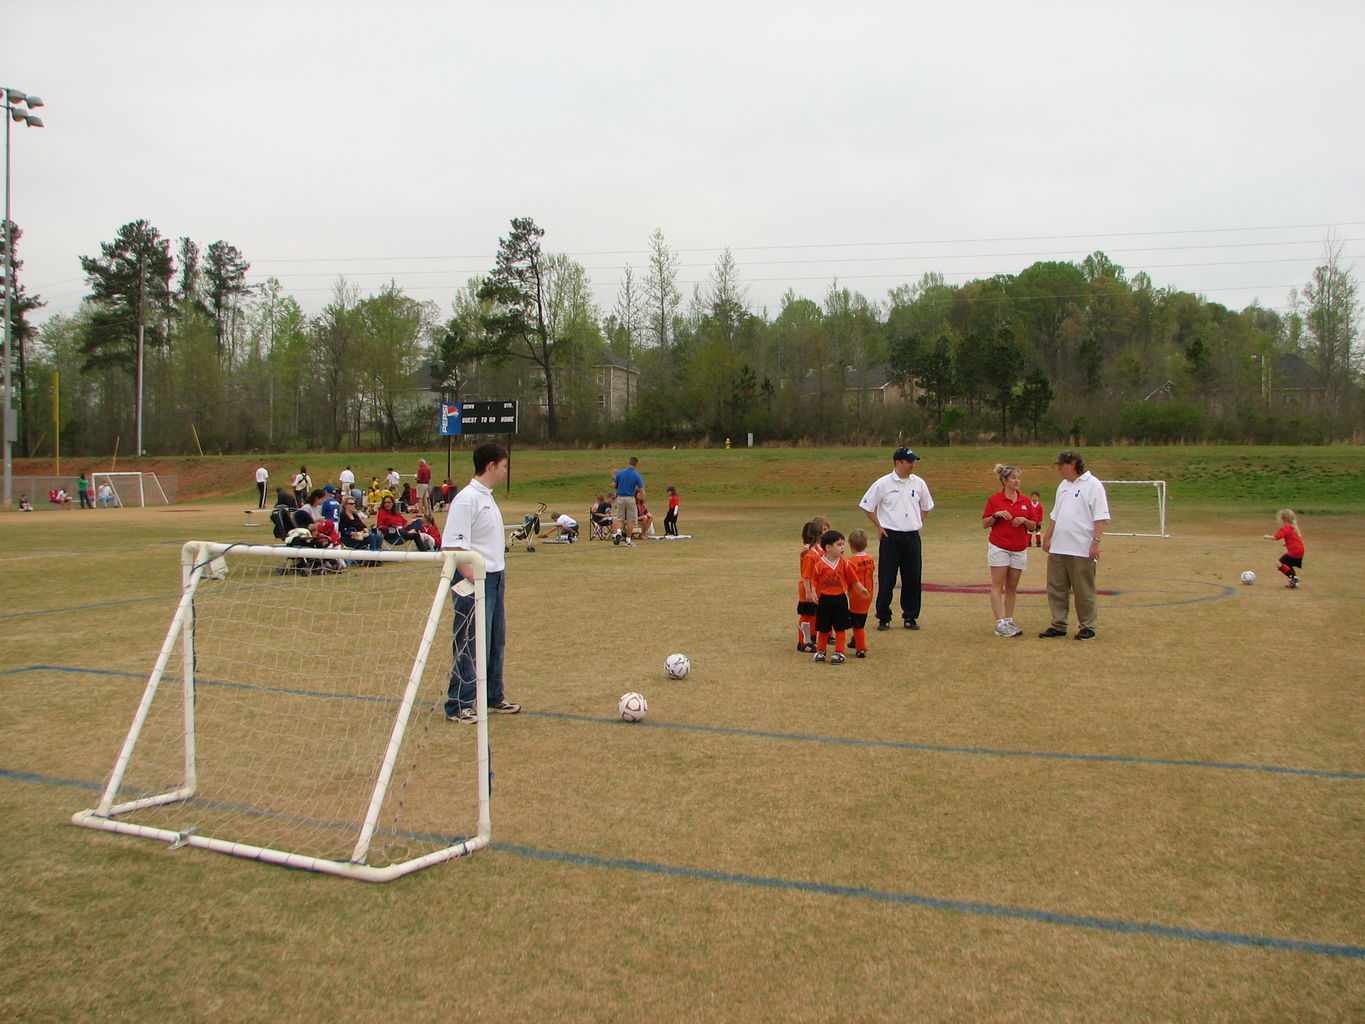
1011, 629
628, 543
1002, 627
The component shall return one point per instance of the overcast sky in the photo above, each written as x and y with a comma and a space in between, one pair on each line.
1214, 145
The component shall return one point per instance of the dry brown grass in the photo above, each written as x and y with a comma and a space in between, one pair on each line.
689, 868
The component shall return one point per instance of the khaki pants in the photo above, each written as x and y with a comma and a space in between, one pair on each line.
1067, 575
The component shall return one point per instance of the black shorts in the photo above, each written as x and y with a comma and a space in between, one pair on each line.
833, 613
1292, 562
806, 608
859, 619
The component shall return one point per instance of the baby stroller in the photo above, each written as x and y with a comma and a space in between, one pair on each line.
526, 532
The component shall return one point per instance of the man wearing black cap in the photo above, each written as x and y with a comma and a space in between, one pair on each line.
897, 505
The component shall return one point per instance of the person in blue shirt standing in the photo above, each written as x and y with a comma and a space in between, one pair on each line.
627, 482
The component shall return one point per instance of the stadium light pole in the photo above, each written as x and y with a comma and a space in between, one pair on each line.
18, 107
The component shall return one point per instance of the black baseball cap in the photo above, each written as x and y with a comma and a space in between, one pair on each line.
903, 454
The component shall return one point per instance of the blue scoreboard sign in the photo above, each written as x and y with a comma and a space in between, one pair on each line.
478, 418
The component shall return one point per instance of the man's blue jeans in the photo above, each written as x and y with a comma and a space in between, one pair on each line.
463, 672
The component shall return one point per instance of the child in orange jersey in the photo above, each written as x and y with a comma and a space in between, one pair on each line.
805, 595
833, 579
1035, 501
859, 604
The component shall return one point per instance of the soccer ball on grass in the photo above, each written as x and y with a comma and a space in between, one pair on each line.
1248, 577
676, 666
633, 707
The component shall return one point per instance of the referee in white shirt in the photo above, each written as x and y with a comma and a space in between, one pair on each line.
474, 523
897, 504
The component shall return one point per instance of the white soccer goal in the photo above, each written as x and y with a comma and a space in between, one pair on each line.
130, 488
307, 724
1137, 508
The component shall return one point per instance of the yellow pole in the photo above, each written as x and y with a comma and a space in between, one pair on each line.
57, 420
196, 441
114, 464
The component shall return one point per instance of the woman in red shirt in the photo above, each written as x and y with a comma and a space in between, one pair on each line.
389, 521
1009, 517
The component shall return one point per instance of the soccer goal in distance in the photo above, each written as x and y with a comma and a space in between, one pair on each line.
1137, 508
131, 488
295, 715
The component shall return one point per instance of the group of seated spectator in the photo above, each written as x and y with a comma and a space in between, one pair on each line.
338, 520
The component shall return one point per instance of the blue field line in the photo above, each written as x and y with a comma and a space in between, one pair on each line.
90, 607
980, 751
931, 748
287, 691
969, 907
935, 903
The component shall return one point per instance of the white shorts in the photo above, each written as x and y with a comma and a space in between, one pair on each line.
996, 556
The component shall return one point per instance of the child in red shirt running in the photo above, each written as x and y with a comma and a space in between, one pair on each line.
1292, 559
1036, 503
859, 604
833, 579
805, 594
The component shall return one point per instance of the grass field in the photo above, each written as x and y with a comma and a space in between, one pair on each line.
1164, 824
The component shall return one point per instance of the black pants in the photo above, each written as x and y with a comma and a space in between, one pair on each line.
671, 522
260, 486
899, 555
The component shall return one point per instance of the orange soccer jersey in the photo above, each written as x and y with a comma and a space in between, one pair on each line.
863, 568
833, 579
806, 589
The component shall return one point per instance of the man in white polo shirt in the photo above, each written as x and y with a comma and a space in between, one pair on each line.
474, 523
898, 504
1072, 543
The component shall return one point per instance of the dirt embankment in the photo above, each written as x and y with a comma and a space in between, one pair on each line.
195, 478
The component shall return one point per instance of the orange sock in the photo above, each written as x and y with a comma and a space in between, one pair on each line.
839, 643
860, 639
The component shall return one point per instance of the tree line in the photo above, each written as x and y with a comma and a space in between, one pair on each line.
1060, 350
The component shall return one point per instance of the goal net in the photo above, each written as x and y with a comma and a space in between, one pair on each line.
1137, 508
129, 489
295, 715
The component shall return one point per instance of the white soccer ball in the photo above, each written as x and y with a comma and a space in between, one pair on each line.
676, 666
633, 707
1248, 577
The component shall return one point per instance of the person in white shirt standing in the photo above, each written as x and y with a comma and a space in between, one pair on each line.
262, 478
474, 523
347, 481
897, 504
1072, 543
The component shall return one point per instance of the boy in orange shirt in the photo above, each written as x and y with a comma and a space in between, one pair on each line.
833, 579
859, 604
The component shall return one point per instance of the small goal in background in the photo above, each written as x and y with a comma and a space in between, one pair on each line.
1137, 508
131, 488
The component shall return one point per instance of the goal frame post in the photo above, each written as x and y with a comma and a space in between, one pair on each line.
1159, 487
200, 559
